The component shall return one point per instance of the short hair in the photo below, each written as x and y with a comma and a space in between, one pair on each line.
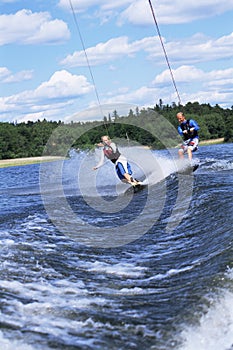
180, 113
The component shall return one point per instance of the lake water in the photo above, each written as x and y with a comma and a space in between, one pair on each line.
85, 267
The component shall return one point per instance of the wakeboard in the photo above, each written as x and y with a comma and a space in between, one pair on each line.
189, 170
195, 167
135, 189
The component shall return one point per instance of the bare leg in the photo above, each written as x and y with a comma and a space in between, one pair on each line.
130, 180
128, 177
181, 153
190, 155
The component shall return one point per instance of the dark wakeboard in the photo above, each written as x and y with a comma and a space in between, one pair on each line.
135, 189
189, 170
195, 167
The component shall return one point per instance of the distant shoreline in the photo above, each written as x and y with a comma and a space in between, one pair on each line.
211, 142
4, 163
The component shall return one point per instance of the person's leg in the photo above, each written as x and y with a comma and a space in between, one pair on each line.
129, 177
122, 173
192, 147
120, 170
125, 175
183, 150
190, 155
181, 153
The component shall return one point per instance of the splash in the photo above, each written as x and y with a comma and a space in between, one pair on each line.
215, 327
149, 166
212, 164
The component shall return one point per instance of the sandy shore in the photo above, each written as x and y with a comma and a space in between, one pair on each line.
24, 161
213, 141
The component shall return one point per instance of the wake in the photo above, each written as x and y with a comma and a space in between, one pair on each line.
149, 167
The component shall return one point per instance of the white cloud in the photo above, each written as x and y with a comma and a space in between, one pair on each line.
215, 85
4, 72
210, 87
191, 74
181, 74
207, 96
101, 53
197, 48
53, 98
138, 11
63, 84
27, 27
6, 76
111, 50
49, 98
84, 5
172, 12
143, 96
221, 74
81, 5
95, 113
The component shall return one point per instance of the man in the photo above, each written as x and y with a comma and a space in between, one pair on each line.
188, 129
111, 152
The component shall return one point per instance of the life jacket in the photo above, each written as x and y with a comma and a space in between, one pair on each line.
190, 134
110, 154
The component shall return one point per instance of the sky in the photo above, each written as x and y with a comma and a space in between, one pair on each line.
62, 58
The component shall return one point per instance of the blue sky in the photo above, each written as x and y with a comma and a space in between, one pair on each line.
44, 71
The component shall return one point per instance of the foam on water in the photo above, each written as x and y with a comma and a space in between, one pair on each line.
12, 344
213, 164
120, 269
215, 327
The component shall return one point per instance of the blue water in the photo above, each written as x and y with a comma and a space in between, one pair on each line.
85, 267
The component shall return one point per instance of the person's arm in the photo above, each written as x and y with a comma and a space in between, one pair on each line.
194, 125
101, 162
180, 131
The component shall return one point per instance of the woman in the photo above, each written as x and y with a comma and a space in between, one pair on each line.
111, 152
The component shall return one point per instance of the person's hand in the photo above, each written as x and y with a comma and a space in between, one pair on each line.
94, 168
185, 132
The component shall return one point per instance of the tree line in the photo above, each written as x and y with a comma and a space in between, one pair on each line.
154, 127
